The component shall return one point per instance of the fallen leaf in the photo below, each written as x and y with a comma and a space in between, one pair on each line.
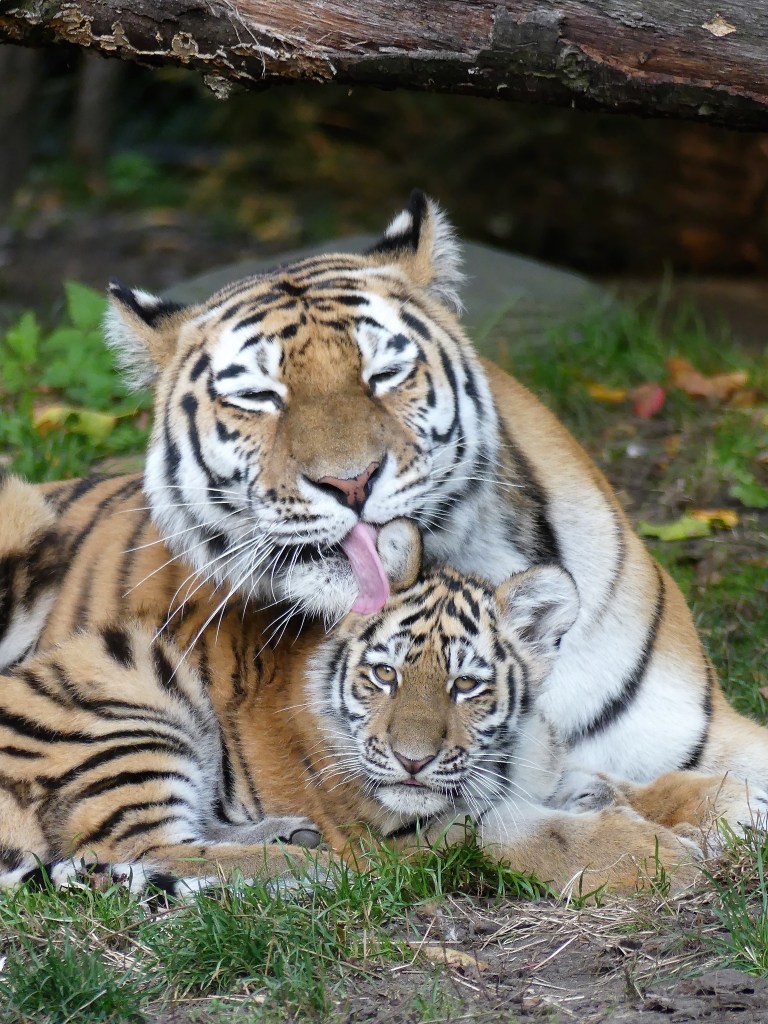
96, 425
451, 957
647, 399
719, 27
684, 376
672, 444
602, 393
683, 528
725, 518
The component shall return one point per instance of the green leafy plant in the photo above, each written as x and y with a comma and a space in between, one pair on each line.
62, 402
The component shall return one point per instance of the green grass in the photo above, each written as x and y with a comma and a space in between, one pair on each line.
86, 956
741, 903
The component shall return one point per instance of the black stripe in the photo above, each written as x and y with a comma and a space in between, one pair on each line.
78, 489
633, 682
545, 546
28, 755
80, 612
200, 366
156, 745
117, 816
693, 759
130, 778
118, 646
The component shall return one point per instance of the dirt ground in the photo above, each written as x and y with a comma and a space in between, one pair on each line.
639, 962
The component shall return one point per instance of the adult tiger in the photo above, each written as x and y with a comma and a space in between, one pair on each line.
298, 411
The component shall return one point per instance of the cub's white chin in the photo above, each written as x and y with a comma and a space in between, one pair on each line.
412, 801
325, 588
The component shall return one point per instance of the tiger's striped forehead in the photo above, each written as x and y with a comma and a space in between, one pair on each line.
331, 291
331, 320
448, 616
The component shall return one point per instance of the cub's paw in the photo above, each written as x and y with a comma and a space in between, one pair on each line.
296, 830
581, 791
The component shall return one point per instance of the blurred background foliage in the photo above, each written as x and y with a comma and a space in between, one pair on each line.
107, 168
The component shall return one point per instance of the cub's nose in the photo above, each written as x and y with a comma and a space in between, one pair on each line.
354, 492
411, 766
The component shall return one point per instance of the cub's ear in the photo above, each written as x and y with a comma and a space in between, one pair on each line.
399, 547
422, 241
143, 331
540, 605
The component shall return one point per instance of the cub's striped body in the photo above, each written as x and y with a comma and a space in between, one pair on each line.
116, 750
340, 391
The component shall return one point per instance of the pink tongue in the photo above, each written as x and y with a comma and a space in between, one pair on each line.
372, 584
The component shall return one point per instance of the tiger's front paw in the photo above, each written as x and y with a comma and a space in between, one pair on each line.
293, 829
297, 831
580, 791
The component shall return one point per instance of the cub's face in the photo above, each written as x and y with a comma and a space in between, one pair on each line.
293, 407
424, 703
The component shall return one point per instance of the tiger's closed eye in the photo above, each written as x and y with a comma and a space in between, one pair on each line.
251, 400
385, 675
465, 685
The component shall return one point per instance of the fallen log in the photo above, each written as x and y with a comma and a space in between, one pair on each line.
690, 58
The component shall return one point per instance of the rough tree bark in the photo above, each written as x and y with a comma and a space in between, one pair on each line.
701, 59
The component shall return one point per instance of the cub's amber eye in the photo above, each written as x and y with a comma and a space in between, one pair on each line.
465, 685
385, 674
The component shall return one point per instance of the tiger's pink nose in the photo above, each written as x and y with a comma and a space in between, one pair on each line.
411, 766
351, 492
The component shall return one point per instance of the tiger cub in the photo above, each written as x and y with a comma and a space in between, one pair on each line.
115, 749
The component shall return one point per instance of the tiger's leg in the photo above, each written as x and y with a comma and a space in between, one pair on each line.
611, 847
675, 800
184, 869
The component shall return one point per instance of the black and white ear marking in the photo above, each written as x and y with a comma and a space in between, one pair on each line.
148, 307
422, 240
399, 547
540, 605
404, 231
141, 329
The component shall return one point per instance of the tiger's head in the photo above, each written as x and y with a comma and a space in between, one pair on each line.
428, 704
298, 411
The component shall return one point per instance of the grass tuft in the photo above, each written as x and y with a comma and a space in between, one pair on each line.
64, 983
741, 892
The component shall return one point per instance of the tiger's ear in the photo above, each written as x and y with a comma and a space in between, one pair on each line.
422, 241
540, 605
142, 330
399, 547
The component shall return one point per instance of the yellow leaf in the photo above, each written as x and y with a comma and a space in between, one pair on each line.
601, 393
451, 957
685, 376
724, 518
672, 444
96, 425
